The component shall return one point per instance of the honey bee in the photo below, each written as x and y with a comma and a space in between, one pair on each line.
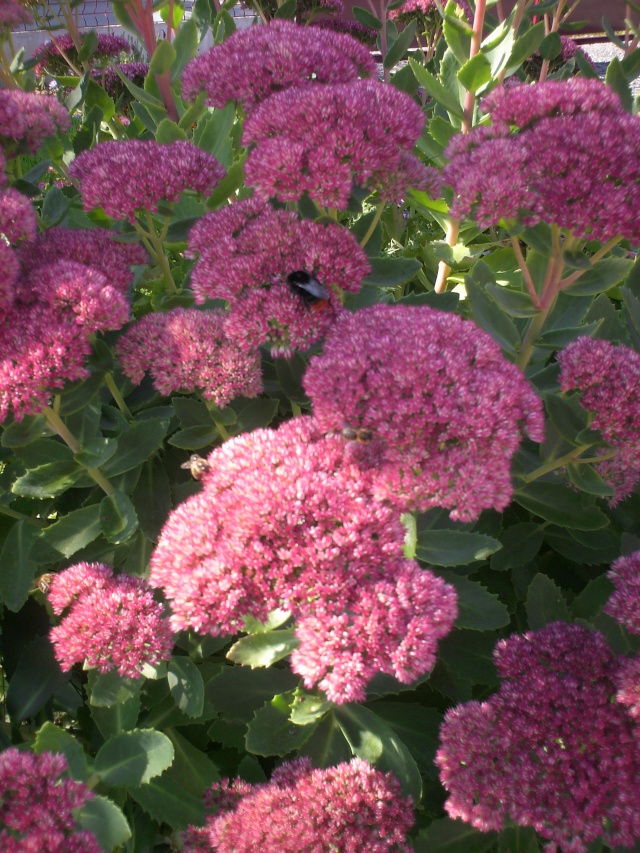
362, 435
43, 583
197, 465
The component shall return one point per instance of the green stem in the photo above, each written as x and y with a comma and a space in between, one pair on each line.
597, 256
60, 428
117, 396
224, 435
12, 513
560, 462
373, 226
158, 251
295, 408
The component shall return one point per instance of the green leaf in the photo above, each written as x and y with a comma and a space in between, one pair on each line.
121, 717
191, 412
457, 38
105, 820
168, 131
152, 498
271, 732
513, 302
556, 339
111, 688
74, 530
307, 707
551, 46
118, 519
168, 802
195, 437
186, 685
366, 18
617, 80
601, 277
35, 680
51, 738
163, 57
95, 452
47, 481
524, 46
390, 272
327, 745
557, 503
186, 46
475, 73
287, 10
417, 727
469, 654
136, 444
237, 691
55, 207
436, 90
479, 610
133, 758
520, 544
23, 432
454, 836
255, 414
545, 603
16, 568
587, 480
566, 414
373, 740
192, 770
258, 650
290, 372
88, 46
400, 46
213, 131
489, 316
454, 547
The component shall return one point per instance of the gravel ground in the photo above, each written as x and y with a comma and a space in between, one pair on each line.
601, 55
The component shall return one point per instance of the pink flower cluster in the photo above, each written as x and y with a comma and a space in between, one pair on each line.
445, 409
49, 52
18, 224
563, 152
187, 350
126, 177
624, 606
549, 750
351, 807
608, 378
323, 140
13, 14
111, 81
285, 520
36, 805
27, 119
110, 622
254, 63
359, 31
247, 250
411, 9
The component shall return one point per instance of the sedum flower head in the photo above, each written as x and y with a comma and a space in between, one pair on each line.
445, 409
550, 750
245, 253
36, 805
563, 152
608, 377
254, 63
323, 140
27, 119
18, 219
286, 521
624, 604
126, 177
12, 15
351, 807
187, 350
50, 58
110, 622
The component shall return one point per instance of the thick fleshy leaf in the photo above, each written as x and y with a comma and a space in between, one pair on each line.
192, 769
417, 727
74, 531
47, 481
327, 745
454, 547
152, 498
390, 272
118, 519
23, 432
264, 649
51, 738
167, 802
557, 503
520, 544
134, 758
115, 719
454, 836
479, 610
105, 820
545, 603
111, 688
601, 277
186, 685
36, 679
238, 691
271, 732
136, 444
16, 568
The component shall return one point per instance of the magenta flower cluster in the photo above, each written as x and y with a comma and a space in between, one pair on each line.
256, 62
624, 606
445, 409
109, 45
109, 622
608, 377
245, 253
351, 807
286, 521
188, 350
36, 805
127, 177
549, 750
324, 140
13, 14
563, 152
27, 119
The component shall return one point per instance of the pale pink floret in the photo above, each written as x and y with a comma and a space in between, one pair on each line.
254, 63
187, 350
110, 622
351, 807
126, 177
36, 805
550, 750
608, 377
445, 409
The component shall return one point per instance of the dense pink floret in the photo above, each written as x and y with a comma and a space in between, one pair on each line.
187, 350
36, 805
13, 14
286, 521
110, 622
446, 410
609, 378
18, 220
624, 604
27, 119
351, 807
254, 63
550, 750
126, 177
109, 45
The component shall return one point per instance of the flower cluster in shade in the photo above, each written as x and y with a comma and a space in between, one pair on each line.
109, 622
18, 224
608, 377
550, 749
187, 350
37, 805
50, 54
359, 31
27, 119
284, 520
256, 62
425, 11
352, 807
624, 606
446, 410
568, 50
112, 83
12, 15
326, 140
245, 253
126, 177
563, 152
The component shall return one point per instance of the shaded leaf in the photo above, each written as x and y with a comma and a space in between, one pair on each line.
134, 758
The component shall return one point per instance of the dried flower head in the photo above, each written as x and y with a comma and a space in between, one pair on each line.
350, 807
110, 622
126, 177
608, 378
27, 119
550, 750
36, 805
254, 63
323, 140
445, 409
187, 350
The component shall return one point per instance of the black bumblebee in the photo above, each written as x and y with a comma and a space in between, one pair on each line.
309, 289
